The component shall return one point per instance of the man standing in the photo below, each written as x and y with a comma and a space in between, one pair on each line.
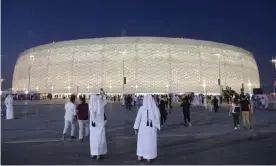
82, 112
146, 124
186, 111
9, 107
215, 104
246, 109
98, 145
70, 117
129, 101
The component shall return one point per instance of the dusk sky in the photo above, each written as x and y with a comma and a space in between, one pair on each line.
250, 24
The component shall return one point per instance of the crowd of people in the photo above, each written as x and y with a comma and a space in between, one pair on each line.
151, 116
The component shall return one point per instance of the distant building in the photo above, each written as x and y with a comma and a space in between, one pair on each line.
150, 65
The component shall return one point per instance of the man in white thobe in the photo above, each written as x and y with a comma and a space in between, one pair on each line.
146, 124
200, 100
9, 107
123, 100
98, 145
70, 117
205, 103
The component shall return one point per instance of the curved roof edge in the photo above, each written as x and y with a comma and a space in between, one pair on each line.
145, 39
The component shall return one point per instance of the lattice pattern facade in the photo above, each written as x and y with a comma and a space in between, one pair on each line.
150, 65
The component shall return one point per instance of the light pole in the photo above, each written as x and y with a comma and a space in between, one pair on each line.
110, 88
88, 88
136, 88
219, 80
249, 87
2, 80
30, 67
69, 89
124, 79
167, 86
273, 60
204, 87
274, 94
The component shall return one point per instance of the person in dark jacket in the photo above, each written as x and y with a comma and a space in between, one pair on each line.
186, 111
82, 114
128, 100
163, 112
215, 104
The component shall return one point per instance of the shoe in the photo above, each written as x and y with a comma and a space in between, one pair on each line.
239, 126
185, 124
99, 157
63, 136
148, 161
73, 137
81, 140
235, 128
93, 157
190, 124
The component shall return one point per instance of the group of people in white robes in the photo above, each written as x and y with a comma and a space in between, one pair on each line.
146, 124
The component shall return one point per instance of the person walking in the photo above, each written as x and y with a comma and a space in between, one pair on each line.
186, 111
246, 109
235, 112
82, 114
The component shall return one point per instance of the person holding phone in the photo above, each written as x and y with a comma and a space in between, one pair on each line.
98, 145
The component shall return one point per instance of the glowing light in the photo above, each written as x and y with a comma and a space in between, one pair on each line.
26, 92
69, 87
123, 52
204, 84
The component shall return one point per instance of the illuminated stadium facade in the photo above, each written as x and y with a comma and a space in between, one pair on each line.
150, 65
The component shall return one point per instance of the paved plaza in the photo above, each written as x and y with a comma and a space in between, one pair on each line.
34, 137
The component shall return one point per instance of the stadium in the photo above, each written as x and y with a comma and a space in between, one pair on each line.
135, 65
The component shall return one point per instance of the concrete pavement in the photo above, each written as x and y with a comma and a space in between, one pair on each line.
35, 138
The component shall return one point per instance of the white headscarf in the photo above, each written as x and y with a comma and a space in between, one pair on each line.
94, 104
154, 114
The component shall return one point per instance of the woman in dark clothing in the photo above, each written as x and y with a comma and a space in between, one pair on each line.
163, 112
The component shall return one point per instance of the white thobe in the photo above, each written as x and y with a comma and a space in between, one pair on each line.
147, 136
132, 102
98, 145
123, 100
200, 100
9, 107
69, 118
205, 103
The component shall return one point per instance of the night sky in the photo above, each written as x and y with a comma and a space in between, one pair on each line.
250, 24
